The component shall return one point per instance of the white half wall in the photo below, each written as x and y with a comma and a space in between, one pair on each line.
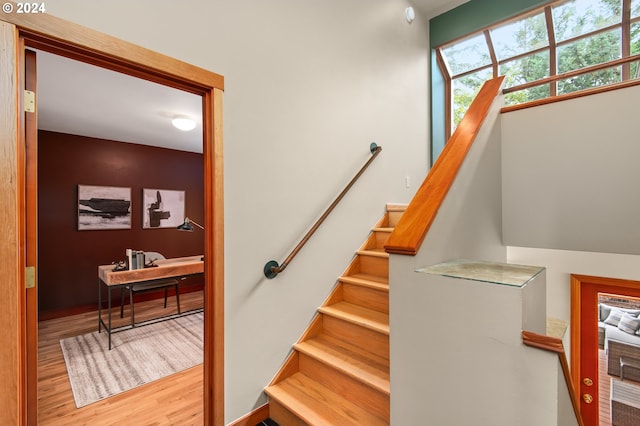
460, 359
468, 225
308, 86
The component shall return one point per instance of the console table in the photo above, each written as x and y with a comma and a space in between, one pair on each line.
166, 268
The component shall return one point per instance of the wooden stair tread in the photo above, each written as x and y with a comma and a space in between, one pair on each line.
376, 252
396, 207
382, 229
339, 373
348, 359
364, 317
367, 280
317, 405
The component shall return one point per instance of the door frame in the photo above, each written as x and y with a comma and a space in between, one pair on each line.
584, 291
46, 32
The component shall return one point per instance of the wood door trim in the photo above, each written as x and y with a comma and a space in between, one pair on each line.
12, 362
601, 284
31, 225
576, 290
574, 321
75, 41
65, 38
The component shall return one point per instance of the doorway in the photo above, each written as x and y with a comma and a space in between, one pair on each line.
98, 145
67, 39
586, 295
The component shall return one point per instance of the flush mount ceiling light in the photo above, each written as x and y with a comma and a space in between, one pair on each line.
183, 123
410, 14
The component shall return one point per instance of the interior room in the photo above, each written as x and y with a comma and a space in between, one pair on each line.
100, 128
301, 91
121, 143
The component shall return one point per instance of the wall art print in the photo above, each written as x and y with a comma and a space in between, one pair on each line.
163, 208
103, 207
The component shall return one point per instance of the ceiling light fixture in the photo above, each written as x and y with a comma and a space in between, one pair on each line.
410, 14
183, 123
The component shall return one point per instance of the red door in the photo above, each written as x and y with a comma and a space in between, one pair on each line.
588, 387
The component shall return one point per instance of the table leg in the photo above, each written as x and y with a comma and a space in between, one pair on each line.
99, 306
109, 308
133, 320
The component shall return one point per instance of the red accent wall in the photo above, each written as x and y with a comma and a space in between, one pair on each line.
68, 258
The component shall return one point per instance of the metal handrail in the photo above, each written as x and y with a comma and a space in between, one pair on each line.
272, 268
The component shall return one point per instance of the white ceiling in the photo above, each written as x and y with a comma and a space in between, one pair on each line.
81, 99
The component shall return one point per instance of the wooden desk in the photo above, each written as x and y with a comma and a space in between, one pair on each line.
167, 268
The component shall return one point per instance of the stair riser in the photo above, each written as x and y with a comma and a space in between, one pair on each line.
369, 340
381, 238
358, 393
366, 297
376, 240
394, 217
338, 372
378, 266
362, 365
282, 416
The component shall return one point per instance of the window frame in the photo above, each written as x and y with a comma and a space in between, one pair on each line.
625, 61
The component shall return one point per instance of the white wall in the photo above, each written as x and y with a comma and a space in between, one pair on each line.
308, 86
570, 198
570, 174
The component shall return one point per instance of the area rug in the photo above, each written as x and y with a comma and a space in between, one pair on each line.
139, 355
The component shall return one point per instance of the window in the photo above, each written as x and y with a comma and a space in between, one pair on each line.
635, 44
468, 54
580, 17
465, 90
565, 46
520, 37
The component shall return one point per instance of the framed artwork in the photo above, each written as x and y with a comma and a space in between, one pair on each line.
103, 207
163, 208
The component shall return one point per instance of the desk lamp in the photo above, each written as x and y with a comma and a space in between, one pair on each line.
186, 225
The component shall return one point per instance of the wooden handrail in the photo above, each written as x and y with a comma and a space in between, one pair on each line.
271, 268
414, 224
554, 344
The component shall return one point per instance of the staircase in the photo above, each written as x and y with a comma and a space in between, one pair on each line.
338, 373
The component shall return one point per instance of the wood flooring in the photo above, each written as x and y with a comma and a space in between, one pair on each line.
174, 400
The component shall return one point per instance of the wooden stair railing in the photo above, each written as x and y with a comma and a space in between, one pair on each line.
421, 212
272, 268
338, 372
553, 344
